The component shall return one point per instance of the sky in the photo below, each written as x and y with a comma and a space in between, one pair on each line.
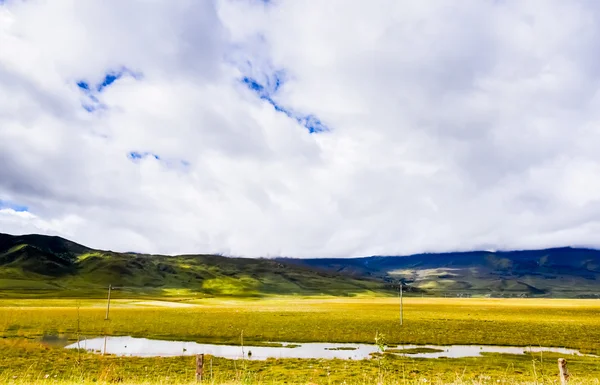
330, 128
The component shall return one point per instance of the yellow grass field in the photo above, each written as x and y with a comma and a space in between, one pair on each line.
518, 322
521, 322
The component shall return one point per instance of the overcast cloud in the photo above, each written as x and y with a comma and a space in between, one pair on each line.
301, 128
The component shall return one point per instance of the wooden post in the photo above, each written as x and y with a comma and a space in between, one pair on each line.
400, 294
108, 303
199, 366
104, 349
563, 372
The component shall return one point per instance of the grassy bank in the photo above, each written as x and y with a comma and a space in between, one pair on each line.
527, 322
26, 362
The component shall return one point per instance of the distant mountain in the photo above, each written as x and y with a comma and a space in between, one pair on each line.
34, 265
552, 272
37, 265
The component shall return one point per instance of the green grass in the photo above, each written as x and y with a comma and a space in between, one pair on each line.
539, 322
413, 350
569, 323
24, 362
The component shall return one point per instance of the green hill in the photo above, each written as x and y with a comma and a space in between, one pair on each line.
34, 265
38, 265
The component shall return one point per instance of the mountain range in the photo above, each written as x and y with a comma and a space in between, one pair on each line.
36, 265
562, 272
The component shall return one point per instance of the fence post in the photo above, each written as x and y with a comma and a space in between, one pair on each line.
108, 303
199, 366
563, 372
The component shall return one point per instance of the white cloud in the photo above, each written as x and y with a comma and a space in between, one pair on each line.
452, 126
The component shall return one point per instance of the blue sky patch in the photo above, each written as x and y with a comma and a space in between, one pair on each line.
13, 206
273, 83
109, 78
135, 155
312, 123
253, 85
113, 76
82, 84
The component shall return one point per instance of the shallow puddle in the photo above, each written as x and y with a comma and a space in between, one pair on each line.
142, 347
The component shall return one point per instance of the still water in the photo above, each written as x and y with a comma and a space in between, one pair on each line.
142, 347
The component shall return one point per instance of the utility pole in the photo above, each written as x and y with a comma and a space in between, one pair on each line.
400, 295
108, 303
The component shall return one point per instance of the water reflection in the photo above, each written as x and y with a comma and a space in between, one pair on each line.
142, 347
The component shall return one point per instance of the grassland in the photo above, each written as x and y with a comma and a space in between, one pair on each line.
562, 323
23, 362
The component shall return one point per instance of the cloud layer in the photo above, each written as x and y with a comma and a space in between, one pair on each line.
330, 128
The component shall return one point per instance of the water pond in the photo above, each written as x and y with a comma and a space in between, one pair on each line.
142, 347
